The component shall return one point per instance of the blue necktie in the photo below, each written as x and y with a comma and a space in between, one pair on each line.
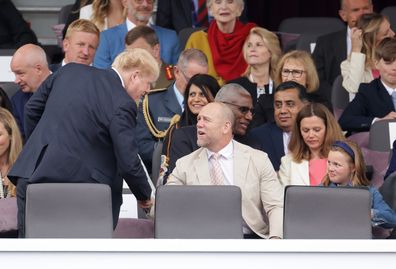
394, 98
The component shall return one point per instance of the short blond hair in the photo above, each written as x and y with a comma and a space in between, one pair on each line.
137, 59
82, 25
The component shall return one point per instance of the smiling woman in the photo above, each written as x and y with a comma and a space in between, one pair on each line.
313, 134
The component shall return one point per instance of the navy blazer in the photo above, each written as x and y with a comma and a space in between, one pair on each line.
268, 138
163, 105
330, 51
80, 128
18, 101
371, 101
112, 43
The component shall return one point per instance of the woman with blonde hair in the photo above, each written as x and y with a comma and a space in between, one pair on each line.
104, 13
370, 30
10, 147
298, 66
314, 131
261, 52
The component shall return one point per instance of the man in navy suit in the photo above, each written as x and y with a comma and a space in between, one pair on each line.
80, 126
273, 138
112, 41
333, 48
80, 43
162, 105
29, 64
374, 101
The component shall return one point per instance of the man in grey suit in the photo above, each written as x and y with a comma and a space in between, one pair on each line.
80, 127
158, 108
333, 48
223, 161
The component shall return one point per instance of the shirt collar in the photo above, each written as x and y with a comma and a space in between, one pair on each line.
388, 89
130, 25
179, 96
225, 152
119, 75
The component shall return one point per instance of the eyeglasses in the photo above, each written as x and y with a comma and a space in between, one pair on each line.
184, 75
243, 109
295, 73
139, 2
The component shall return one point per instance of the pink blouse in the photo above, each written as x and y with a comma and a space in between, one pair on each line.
317, 170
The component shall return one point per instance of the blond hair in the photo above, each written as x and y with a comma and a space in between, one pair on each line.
137, 59
305, 59
15, 147
82, 25
100, 10
271, 42
359, 176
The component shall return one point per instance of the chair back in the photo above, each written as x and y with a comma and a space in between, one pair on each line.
68, 210
184, 35
311, 25
379, 139
326, 213
203, 212
339, 97
388, 190
64, 13
390, 12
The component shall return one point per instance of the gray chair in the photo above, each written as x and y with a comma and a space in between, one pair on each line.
390, 12
309, 29
198, 212
10, 88
68, 210
184, 35
339, 97
64, 13
311, 25
326, 213
379, 136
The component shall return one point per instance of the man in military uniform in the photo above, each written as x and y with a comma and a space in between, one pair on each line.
158, 108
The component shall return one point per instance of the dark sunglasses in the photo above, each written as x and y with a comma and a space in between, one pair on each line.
243, 109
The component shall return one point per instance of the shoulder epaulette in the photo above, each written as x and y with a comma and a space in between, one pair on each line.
157, 90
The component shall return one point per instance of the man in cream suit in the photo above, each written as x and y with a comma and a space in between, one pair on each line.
222, 160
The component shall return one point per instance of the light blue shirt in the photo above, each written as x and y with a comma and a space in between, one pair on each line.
179, 97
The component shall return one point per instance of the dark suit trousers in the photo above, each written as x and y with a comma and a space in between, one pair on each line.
21, 203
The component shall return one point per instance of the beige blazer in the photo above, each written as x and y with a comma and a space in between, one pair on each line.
262, 195
354, 72
292, 173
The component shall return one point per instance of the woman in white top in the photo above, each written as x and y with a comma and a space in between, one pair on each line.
370, 30
104, 13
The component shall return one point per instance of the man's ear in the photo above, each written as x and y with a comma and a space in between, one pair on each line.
157, 51
342, 14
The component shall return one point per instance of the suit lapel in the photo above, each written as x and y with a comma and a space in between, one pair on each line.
385, 96
187, 7
303, 172
241, 163
171, 102
202, 168
277, 138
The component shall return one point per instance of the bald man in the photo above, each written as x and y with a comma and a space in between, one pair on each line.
223, 161
30, 66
